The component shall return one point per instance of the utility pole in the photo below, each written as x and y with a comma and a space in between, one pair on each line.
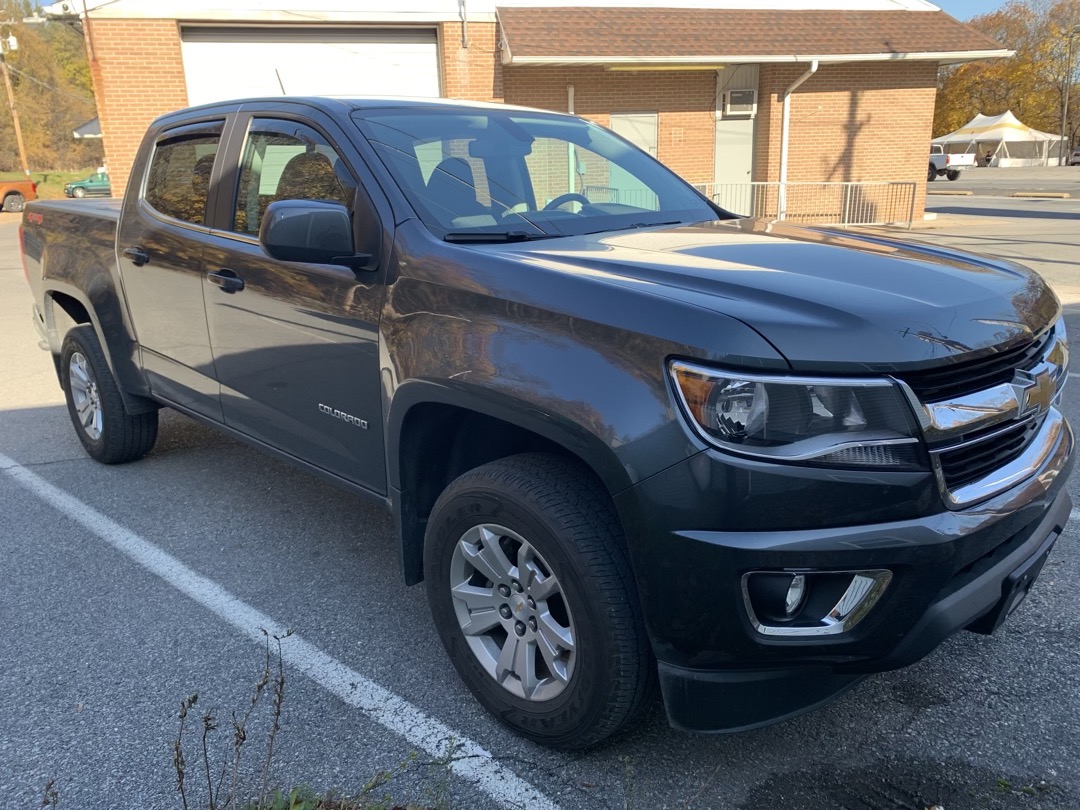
1065, 147
5, 45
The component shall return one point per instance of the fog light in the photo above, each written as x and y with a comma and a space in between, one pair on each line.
796, 593
777, 597
811, 603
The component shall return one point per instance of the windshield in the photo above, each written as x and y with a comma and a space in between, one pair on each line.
524, 175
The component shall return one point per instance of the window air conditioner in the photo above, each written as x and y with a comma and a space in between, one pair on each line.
740, 103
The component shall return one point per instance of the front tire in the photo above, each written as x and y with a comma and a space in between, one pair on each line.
14, 203
532, 594
931, 175
78, 192
107, 432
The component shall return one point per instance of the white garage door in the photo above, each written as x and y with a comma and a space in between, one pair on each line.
227, 63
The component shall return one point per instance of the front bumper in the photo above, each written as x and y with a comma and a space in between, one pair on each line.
950, 570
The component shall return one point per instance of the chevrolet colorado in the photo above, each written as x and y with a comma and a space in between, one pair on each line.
626, 437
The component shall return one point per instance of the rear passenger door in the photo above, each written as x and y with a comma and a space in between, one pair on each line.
296, 349
159, 252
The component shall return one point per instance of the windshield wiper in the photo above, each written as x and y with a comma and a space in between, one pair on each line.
495, 236
638, 225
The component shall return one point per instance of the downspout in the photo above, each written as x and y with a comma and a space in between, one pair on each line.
785, 131
571, 162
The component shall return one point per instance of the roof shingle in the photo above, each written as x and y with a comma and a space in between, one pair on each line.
606, 32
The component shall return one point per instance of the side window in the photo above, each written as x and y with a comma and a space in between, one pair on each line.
178, 182
284, 160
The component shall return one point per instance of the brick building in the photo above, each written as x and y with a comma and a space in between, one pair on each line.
702, 85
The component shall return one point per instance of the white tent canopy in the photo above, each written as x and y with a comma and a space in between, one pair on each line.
1006, 138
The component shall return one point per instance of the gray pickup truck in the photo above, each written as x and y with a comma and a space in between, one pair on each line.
627, 438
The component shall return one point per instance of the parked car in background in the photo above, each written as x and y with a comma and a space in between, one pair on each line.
1074, 158
16, 193
96, 185
950, 165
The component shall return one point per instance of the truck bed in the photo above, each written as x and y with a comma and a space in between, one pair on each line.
79, 236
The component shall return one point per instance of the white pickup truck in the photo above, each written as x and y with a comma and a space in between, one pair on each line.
949, 165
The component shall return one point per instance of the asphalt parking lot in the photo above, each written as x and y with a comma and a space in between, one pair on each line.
103, 635
995, 181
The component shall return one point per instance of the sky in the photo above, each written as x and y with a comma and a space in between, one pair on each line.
966, 9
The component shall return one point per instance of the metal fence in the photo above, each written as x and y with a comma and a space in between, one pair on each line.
876, 203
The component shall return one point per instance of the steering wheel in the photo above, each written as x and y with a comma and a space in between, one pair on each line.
563, 199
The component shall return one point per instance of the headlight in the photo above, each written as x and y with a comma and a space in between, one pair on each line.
843, 423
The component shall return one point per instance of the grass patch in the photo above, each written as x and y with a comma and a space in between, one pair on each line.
50, 185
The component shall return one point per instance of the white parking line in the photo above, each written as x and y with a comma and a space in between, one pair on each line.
470, 760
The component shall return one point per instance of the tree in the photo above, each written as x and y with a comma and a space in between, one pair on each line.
1032, 84
53, 92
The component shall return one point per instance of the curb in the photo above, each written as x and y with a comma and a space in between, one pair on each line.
1044, 195
948, 193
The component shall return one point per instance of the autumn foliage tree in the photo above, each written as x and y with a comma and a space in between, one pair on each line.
1032, 84
53, 93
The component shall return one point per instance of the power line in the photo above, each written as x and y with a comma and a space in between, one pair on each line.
48, 86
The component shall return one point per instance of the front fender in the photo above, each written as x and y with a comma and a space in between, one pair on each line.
572, 436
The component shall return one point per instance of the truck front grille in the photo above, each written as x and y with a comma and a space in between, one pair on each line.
950, 382
990, 423
980, 457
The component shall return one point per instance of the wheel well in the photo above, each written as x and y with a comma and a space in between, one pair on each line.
440, 442
72, 306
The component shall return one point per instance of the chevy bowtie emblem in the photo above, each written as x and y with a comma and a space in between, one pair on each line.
1035, 389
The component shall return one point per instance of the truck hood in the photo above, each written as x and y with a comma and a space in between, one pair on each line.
826, 301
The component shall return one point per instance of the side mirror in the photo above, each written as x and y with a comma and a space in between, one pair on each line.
310, 231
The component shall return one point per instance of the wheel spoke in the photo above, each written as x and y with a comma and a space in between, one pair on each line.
483, 608
475, 598
481, 621
525, 667
489, 560
555, 634
556, 666
79, 377
542, 589
504, 667
84, 409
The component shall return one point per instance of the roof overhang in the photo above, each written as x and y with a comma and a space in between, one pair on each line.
628, 37
719, 60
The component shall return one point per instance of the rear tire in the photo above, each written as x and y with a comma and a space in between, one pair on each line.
14, 203
931, 175
107, 432
953, 174
527, 555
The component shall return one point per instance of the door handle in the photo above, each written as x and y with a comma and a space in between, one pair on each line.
227, 280
137, 256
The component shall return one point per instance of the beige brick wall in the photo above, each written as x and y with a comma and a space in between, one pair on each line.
474, 73
138, 75
685, 101
854, 122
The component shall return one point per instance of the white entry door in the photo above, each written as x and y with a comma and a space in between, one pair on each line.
734, 159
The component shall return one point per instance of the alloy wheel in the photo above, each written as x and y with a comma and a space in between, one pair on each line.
85, 395
513, 612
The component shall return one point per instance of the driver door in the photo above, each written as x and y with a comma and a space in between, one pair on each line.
295, 344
